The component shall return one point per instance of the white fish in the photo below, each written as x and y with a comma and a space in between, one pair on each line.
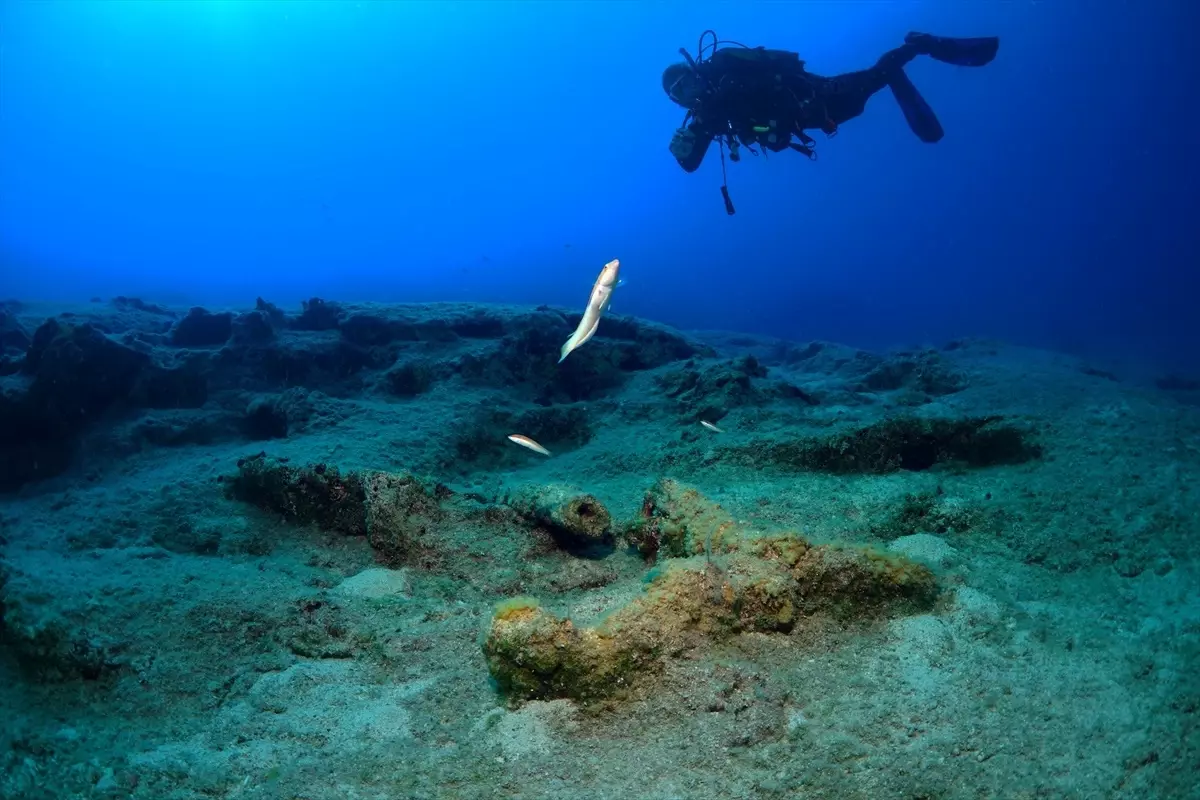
525, 441
598, 302
711, 427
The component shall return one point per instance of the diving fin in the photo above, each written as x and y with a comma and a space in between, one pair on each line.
920, 116
971, 52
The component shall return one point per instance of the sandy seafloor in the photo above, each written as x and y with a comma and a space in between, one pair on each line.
161, 640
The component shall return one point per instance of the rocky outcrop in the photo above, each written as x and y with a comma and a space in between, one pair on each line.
14, 341
74, 376
106, 364
710, 390
897, 443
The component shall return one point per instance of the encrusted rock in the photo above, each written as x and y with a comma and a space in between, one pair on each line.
677, 520
401, 511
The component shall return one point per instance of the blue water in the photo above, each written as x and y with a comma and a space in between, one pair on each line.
210, 152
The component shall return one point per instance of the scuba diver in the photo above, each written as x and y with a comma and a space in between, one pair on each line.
754, 97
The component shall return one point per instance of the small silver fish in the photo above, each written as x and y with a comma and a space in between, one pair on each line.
525, 441
598, 302
711, 427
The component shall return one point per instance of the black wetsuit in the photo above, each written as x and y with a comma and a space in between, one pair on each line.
767, 98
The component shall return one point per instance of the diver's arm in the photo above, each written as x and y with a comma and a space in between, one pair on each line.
689, 146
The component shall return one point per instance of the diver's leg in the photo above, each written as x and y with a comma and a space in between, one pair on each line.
971, 52
847, 95
896, 58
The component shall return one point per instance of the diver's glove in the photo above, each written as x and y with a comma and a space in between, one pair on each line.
682, 143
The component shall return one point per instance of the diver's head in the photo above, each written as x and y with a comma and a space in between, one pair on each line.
682, 84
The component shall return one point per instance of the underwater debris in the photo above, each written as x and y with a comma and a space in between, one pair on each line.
567, 512
677, 520
401, 513
768, 584
758, 582
394, 511
316, 494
